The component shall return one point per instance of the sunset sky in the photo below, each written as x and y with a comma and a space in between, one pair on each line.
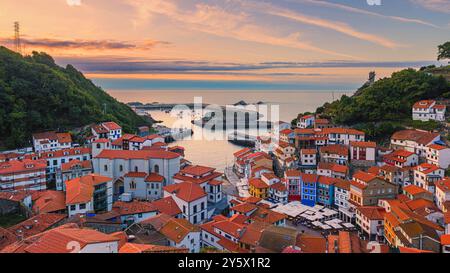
280, 41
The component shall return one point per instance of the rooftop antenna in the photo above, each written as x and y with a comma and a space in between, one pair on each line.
17, 41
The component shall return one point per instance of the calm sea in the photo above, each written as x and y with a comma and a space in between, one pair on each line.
219, 153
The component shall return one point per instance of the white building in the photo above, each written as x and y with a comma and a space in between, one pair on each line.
438, 155
332, 170
336, 153
415, 141
443, 194
144, 186
371, 221
306, 121
117, 163
426, 110
51, 141
71, 170
109, 130
23, 175
134, 211
191, 199
308, 157
426, 175
341, 197
363, 153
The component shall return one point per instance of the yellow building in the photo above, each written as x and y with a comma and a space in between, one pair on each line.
258, 188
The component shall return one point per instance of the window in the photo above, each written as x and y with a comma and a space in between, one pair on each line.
82, 206
121, 168
106, 168
72, 207
136, 169
156, 169
140, 215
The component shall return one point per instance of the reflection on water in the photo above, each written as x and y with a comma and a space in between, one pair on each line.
208, 147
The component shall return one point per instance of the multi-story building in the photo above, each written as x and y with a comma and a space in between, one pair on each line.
293, 184
306, 121
308, 158
51, 141
206, 177
90, 193
309, 189
109, 130
258, 188
332, 170
363, 153
336, 153
415, 141
426, 110
426, 175
438, 155
401, 159
117, 163
191, 199
70, 170
144, 186
367, 189
23, 174
325, 190
370, 220
341, 197
443, 194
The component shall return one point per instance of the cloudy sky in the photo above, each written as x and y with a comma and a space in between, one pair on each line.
220, 40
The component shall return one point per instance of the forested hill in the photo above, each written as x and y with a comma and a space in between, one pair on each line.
36, 95
386, 104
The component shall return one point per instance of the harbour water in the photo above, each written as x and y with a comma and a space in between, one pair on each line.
209, 148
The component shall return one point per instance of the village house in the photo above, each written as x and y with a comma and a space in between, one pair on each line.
258, 188
49, 201
293, 184
306, 121
70, 170
36, 225
191, 199
206, 177
415, 141
144, 186
325, 190
177, 232
443, 194
426, 110
438, 155
109, 130
393, 174
133, 211
24, 174
370, 220
366, 189
414, 192
224, 233
62, 240
313, 138
321, 123
426, 175
15, 202
168, 206
401, 159
51, 141
341, 198
363, 153
308, 158
90, 193
334, 154
309, 189
287, 135
332, 170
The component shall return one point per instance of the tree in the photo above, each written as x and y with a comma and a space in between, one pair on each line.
444, 51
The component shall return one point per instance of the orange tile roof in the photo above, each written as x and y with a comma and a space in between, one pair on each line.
26, 165
17, 196
292, 173
421, 137
197, 170
147, 248
414, 190
87, 164
412, 250
133, 207
363, 144
258, 183
335, 149
280, 186
154, 177
242, 152
186, 191
36, 224
444, 184
81, 189
141, 154
363, 176
244, 208
437, 147
372, 213
177, 229
64, 137
167, 205
50, 201
136, 174
111, 125
424, 104
267, 216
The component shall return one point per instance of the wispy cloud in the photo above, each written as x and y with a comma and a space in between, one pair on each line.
46, 43
323, 23
215, 20
434, 5
73, 2
327, 4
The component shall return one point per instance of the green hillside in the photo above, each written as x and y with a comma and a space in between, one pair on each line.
385, 106
37, 95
